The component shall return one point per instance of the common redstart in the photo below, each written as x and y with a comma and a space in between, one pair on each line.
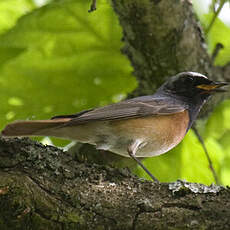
144, 126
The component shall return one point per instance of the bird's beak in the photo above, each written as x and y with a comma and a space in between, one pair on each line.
213, 87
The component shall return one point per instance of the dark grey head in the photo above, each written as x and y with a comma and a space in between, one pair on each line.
191, 86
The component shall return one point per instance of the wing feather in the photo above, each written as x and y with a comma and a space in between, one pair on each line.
133, 108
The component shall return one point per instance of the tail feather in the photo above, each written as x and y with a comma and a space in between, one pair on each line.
32, 128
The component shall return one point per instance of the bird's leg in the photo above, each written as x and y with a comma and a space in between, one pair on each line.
132, 149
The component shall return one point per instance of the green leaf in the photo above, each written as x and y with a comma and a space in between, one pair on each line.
219, 33
225, 164
11, 10
219, 122
61, 59
195, 167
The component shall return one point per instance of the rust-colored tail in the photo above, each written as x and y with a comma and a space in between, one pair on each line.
33, 128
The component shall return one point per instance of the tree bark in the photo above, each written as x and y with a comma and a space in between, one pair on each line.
41, 187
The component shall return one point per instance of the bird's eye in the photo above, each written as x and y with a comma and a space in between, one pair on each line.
188, 80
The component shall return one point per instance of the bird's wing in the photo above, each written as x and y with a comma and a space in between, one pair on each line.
133, 108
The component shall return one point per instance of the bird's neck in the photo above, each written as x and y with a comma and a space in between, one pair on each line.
194, 105
194, 109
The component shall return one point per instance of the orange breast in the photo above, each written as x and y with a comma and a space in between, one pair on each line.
160, 133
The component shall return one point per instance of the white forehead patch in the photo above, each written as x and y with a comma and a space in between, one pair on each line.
195, 74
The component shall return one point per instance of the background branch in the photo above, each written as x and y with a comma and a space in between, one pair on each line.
206, 154
93, 6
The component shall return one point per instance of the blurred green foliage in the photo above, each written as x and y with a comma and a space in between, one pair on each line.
11, 10
59, 59
219, 33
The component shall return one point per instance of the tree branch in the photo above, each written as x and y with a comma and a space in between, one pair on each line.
45, 188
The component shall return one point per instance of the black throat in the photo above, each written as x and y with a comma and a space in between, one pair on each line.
192, 104
194, 109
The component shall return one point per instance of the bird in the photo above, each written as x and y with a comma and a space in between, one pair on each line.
140, 127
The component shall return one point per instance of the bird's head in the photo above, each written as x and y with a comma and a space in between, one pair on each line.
192, 85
